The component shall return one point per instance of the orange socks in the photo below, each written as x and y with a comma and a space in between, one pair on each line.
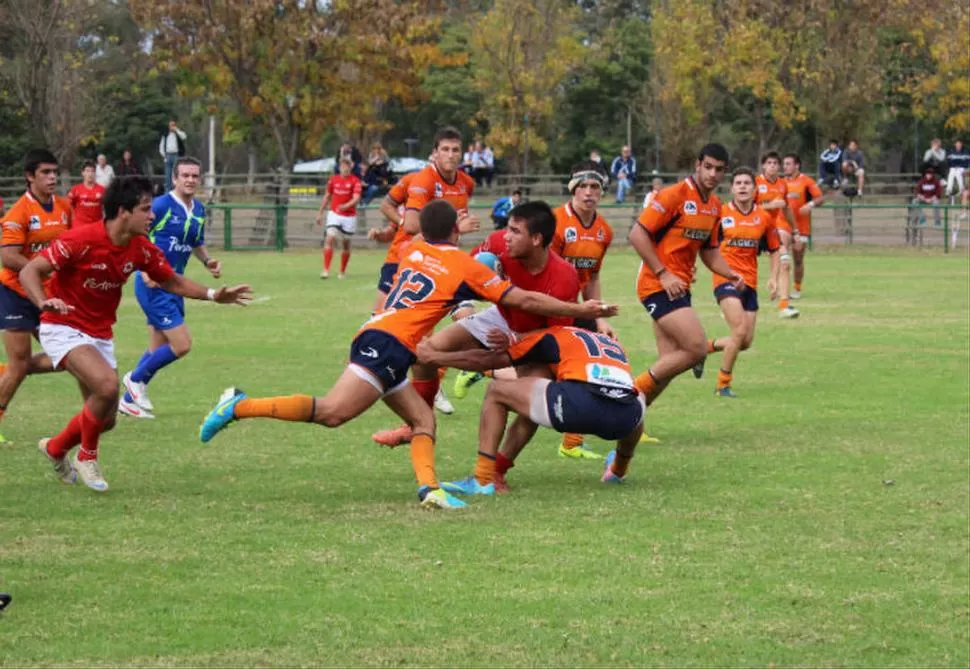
783, 304
485, 468
296, 408
572, 440
645, 383
422, 459
489, 373
723, 379
798, 286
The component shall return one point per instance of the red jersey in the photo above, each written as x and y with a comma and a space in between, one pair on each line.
86, 204
32, 227
399, 195
557, 279
802, 190
494, 243
90, 272
741, 236
770, 191
584, 247
577, 355
343, 189
679, 223
431, 280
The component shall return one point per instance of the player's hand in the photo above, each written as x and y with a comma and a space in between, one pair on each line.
468, 223
603, 327
499, 340
772, 290
591, 310
214, 267
241, 295
425, 352
806, 209
372, 234
319, 219
737, 281
147, 280
673, 285
56, 304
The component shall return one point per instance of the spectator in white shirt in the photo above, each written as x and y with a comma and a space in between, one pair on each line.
171, 146
489, 159
104, 174
935, 157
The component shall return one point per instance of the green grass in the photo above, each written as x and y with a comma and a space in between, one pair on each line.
761, 531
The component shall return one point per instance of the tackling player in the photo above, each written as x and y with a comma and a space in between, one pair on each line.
592, 393
343, 194
433, 276
32, 223
80, 305
86, 198
772, 195
744, 227
680, 223
803, 196
179, 231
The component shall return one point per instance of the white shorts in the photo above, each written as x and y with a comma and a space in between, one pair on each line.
59, 340
483, 322
345, 224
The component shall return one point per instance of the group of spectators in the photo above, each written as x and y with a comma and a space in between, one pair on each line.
479, 163
374, 174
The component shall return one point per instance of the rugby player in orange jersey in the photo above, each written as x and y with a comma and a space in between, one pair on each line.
803, 196
680, 223
744, 227
591, 392
772, 195
433, 276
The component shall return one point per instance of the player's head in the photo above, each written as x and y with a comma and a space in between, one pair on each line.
186, 175
958, 145
770, 164
128, 201
711, 165
792, 164
40, 171
516, 197
742, 185
929, 172
530, 229
657, 184
346, 165
447, 149
439, 222
87, 172
587, 181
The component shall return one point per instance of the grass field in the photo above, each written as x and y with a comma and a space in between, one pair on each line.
820, 520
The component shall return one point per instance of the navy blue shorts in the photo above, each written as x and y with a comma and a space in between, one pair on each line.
659, 304
585, 408
17, 312
386, 281
163, 310
381, 354
748, 295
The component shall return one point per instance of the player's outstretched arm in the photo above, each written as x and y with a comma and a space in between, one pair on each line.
472, 361
717, 264
32, 277
179, 285
544, 305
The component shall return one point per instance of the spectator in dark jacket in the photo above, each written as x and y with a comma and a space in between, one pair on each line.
348, 150
624, 170
829, 164
128, 167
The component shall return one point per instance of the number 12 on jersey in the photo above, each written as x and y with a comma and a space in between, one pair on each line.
411, 287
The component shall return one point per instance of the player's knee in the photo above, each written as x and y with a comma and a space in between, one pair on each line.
329, 414
181, 348
745, 343
697, 350
104, 387
17, 367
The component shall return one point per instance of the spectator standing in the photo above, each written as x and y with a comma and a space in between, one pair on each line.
595, 157
351, 153
127, 167
86, 198
468, 160
929, 191
958, 161
104, 173
829, 165
854, 162
502, 207
624, 170
488, 157
172, 147
935, 157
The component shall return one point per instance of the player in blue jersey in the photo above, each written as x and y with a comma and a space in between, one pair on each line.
179, 231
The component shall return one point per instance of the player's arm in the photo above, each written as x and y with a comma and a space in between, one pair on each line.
211, 264
476, 360
818, 197
641, 241
32, 277
711, 256
358, 192
180, 285
323, 206
12, 257
545, 305
12, 242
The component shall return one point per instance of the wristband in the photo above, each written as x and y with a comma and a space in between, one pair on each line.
660, 271
210, 294
206, 260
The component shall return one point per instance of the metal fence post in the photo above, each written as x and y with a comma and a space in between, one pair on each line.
227, 229
280, 228
946, 229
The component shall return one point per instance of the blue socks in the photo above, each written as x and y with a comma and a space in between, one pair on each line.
152, 362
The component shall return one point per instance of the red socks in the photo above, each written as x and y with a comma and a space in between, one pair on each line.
344, 259
61, 443
91, 429
427, 388
327, 258
503, 464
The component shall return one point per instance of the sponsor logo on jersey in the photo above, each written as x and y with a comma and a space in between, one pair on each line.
94, 284
128, 268
743, 243
571, 235
438, 191
696, 234
175, 247
690, 208
727, 222
34, 223
763, 188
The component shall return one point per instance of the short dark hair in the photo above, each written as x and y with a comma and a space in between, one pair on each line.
446, 133
715, 151
438, 220
833, 141
37, 157
88, 163
186, 160
517, 191
126, 193
538, 218
794, 156
768, 156
743, 172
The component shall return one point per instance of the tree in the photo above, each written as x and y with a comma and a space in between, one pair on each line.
522, 51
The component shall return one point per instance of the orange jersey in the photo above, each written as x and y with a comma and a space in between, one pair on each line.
771, 191
679, 223
577, 355
802, 190
583, 247
431, 280
29, 225
741, 236
428, 185
399, 195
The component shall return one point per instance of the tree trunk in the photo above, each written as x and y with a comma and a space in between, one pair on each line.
252, 156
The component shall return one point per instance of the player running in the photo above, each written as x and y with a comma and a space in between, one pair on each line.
392, 207
745, 226
80, 305
592, 393
179, 231
772, 195
30, 225
433, 276
803, 196
86, 198
680, 223
343, 194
